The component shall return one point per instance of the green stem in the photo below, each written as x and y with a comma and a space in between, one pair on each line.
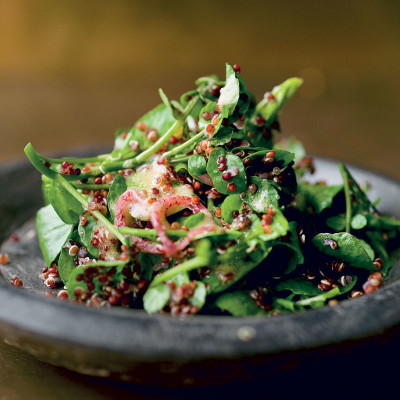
151, 233
76, 160
142, 157
179, 149
37, 162
90, 186
347, 195
186, 266
97, 214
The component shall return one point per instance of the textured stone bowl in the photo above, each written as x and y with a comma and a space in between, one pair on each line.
131, 346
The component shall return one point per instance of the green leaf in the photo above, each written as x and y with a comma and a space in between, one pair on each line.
350, 249
210, 107
156, 298
319, 300
199, 296
86, 233
282, 157
65, 205
240, 180
239, 304
193, 220
158, 118
265, 196
298, 286
66, 265
337, 222
229, 95
117, 188
197, 165
269, 109
359, 221
293, 145
230, 204
52, 233
320, 196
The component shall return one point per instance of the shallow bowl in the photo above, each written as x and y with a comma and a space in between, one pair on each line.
131, 346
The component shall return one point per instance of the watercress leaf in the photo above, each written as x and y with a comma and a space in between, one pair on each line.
265, 196
225, 134
349, 249
197, 165
337, 222
298, 286
230, 204
65, 205
239, 180
156, 297
216, 123
199, 296
268, 108
86, 232
239, 304
193, 220
282, 157
117, 188
285, 304
320, 197
293, 145
171, 106
319, 300
52, 233
65, 265
158, 118
229, 94
279, 227
359, 221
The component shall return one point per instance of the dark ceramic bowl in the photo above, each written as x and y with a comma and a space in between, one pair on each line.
131, 346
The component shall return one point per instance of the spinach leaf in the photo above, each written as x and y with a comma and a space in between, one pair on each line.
269, 108
293, 145
265, 196
117, 188
52, 233
349, 249
230, 204
320, 196
239, 304
239, 180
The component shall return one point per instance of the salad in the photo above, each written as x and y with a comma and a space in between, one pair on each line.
202, 208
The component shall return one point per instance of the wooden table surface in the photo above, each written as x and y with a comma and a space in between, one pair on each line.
73, 72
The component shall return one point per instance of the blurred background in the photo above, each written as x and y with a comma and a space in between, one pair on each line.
71, 72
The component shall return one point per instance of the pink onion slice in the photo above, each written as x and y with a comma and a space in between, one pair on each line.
126, 201
159, 221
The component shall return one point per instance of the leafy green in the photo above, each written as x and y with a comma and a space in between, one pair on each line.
321, 197
349, 249
86, 233
230, 204
239, 180
239, 304
52, 233
268, 108
265, 196
117, 188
